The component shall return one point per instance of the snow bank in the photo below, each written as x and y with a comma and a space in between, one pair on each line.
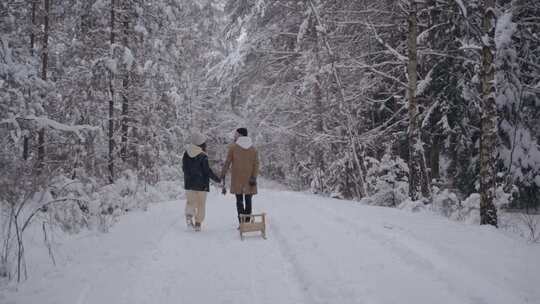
73, 206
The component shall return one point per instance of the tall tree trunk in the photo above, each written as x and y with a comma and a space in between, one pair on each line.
488, 136
317, 95
26, 138
33, 27
419, 181
125, 103
45, 55
125, 108
111, 100
413, 136
44, 68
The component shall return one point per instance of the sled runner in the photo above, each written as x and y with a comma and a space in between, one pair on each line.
253, 225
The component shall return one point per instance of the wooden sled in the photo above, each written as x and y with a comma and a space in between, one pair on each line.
253, 225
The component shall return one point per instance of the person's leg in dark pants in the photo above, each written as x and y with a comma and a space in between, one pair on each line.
247, 208
240, 205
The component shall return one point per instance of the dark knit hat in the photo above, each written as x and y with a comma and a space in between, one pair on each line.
242, 131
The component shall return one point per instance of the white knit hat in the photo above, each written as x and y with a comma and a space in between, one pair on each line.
197, 138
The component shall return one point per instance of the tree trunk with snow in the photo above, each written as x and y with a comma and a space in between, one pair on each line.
33, 27
111, 101
26, 138
413, 136
125, 85
317, 96
488, 136
44, 67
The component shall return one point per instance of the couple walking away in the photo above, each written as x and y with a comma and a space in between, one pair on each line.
243, 160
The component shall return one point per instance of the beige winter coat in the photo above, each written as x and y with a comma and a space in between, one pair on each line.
243, 159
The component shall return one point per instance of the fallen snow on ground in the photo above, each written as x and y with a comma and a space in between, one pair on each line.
318, 250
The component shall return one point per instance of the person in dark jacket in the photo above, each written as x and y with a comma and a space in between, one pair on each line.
197, 175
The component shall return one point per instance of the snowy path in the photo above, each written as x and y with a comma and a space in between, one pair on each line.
318, 251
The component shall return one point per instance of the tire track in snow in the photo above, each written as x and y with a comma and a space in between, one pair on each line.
336, 291
250, 271
83, 294
429, 266
294, 268
150, 256
147, 252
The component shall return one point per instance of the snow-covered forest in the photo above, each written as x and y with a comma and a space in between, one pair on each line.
386, 100
422, 105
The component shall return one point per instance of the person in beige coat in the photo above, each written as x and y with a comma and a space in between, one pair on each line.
243, 160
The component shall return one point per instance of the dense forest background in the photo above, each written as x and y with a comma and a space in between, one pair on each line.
425, 103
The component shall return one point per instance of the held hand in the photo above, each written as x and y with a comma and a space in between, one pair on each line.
253, 181
223, 187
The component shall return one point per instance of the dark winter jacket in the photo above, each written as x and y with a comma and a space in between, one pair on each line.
197, 172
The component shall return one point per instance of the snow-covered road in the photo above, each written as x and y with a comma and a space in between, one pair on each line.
318, 251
